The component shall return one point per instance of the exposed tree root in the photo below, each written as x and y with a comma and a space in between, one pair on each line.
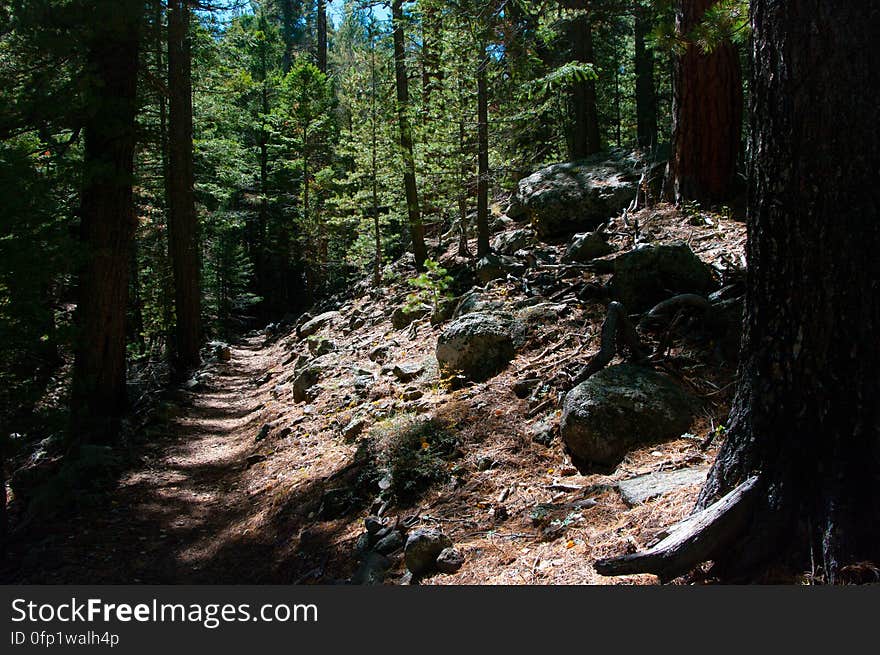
680, 301
617, 333
696, 539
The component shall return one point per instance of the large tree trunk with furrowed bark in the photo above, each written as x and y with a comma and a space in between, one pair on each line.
804, 429
707, 114
806, 413
183, 226
98, 396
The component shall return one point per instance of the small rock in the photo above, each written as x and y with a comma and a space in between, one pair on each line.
485, 463
586, 247
412, 393
388, 544
644, 487
372, 569
193, 385
403, 316
378, 354
494, 267
523, 388
542, 433
373, 524
263, 433
304, 381
449, 560
320, 346
508, 243
423, 546
363, 382
408, 372
354, 428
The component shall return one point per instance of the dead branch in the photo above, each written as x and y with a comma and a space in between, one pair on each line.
697, 539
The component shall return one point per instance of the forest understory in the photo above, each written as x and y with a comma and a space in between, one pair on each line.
229, 479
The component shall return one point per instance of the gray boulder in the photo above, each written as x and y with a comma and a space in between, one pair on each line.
545, 313
320, 346
477, 346
304, 381
515, 209
508, 243
423, 547
403, 316
618, 409
493, 267
317, 323
587, 246
473, 302
647, 275
565, 198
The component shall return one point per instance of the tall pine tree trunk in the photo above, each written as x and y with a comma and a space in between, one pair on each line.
322, 36
806, 414
707, 114
288, 25
584, 137
463, 174
482, 154
432, 44
646, 93
98, 396
182, 219
417, 228
374, 161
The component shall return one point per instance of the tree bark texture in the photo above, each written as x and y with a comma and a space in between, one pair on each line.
584, 132
417, 228
707, 114
183, 228
806, 415
322, 36
98, 396
646, 92
482, 154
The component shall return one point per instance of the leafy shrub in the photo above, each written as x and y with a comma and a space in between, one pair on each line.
432, 287
415, 451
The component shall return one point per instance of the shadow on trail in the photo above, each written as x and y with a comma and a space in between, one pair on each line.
183, 513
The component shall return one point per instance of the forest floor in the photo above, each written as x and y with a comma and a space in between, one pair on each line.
233, 481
